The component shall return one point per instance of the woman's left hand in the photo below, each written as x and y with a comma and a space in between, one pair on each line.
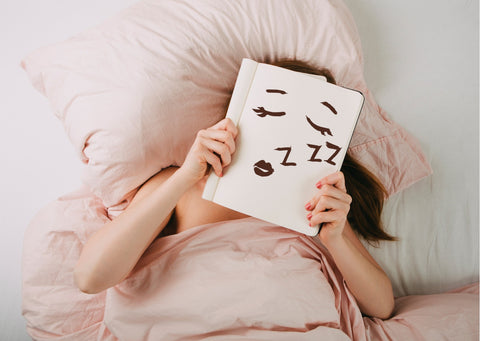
330, 207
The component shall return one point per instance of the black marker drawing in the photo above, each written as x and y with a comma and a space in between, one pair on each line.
321, 129
329, 106
276, 91
314, 154
336, 151
261, 112
263, 168
284, 162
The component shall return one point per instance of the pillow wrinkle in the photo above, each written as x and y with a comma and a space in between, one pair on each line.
133, 91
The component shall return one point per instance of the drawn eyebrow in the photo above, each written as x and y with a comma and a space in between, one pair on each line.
329, 106
276, 91
321, 129
261, 112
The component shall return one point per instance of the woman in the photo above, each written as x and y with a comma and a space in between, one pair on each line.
170, 202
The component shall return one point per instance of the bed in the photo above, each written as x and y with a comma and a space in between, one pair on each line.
107, 85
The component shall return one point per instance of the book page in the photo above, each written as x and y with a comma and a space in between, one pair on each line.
235, 109
294, 129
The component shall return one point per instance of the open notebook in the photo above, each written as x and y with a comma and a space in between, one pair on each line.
294, 129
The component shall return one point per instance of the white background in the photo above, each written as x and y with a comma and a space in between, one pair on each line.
38, 164
421, 63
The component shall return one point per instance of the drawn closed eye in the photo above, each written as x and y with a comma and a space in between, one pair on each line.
321, 129
261, 112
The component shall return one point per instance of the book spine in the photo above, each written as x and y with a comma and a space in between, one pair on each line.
242, 87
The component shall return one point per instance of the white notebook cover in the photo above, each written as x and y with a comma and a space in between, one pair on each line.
280, 112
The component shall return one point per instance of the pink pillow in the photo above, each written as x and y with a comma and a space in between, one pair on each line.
133, 91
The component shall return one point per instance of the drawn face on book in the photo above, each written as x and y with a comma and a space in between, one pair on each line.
319, 152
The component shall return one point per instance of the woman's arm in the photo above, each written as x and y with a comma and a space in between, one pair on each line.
112, 252
364, 277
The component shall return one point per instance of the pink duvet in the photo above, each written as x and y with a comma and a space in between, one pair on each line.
238, 280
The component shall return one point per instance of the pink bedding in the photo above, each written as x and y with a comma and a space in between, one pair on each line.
238, 280
159, 71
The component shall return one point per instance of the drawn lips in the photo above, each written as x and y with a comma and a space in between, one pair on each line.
263, 168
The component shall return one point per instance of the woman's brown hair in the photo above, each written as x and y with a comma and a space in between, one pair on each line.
367, 192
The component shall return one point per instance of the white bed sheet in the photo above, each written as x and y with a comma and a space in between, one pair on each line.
421, 63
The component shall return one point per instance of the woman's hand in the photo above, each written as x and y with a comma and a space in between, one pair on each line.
330, 207
364, 277
213, 146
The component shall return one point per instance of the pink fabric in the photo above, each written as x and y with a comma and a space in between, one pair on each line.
450, 316
51, 303
132, 92
243, 277
238, 280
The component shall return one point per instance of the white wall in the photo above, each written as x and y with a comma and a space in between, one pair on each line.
37, 161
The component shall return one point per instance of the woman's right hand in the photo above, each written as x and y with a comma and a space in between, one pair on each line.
213, 146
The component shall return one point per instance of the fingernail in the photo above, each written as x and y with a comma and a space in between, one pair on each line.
308, 206
319, 184
309, 216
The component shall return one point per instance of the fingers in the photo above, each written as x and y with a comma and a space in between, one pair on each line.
216, 144
331, 203
214, 161
327, 204
322, 199
222, 136
218, 141
228, 125
220, 149
335, 179
327, 217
